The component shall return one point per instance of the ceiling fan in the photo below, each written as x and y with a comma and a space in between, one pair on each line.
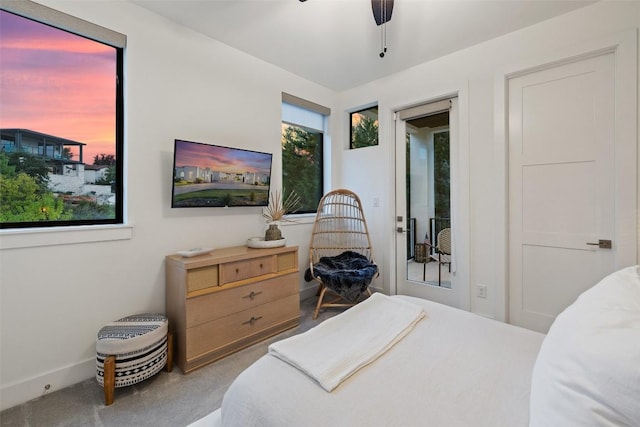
382, 10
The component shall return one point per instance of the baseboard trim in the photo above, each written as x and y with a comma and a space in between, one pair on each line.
308, 292
20, 392
311, 291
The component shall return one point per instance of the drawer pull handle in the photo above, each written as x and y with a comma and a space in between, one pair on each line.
252, 321
237, 270
260, 265
252, 295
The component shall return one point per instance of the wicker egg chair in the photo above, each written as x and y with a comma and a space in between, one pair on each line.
340, 253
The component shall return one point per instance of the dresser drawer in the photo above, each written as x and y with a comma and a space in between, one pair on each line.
213, 335
240, 270
201, 278
213, 306
287, 261
229, 299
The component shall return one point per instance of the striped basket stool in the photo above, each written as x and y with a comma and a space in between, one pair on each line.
131, 350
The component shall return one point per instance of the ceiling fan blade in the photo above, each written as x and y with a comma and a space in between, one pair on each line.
382, 10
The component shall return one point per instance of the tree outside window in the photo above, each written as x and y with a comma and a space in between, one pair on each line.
442, 174
302, 165
364, 128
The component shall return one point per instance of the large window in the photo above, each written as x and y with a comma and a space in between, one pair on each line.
303, 125
61, 120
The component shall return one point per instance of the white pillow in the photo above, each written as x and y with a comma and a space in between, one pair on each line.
588, 370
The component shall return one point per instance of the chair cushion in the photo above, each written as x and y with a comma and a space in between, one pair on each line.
138, 342
348, 274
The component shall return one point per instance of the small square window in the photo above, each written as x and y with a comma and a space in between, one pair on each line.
364, 128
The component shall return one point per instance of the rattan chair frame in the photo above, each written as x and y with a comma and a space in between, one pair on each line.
444, 251
340, 226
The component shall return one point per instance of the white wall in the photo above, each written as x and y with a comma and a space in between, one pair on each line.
472, 72
179, 84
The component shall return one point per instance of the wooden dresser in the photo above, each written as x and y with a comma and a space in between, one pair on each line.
229, 299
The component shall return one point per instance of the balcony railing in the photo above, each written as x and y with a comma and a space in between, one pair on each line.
435, 226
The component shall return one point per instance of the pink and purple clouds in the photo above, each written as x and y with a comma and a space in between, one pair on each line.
57, 83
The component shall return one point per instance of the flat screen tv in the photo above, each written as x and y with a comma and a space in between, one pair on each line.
206, 175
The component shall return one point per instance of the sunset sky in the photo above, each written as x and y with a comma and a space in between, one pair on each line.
57, 83
221, 159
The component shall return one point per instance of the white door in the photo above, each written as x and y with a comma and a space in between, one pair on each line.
423, 167
561, 186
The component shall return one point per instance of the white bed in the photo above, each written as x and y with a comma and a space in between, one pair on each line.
459, 369
454, 369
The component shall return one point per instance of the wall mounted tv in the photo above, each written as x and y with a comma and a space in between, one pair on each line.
206, 175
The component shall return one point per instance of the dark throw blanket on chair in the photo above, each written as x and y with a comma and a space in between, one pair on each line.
348, 274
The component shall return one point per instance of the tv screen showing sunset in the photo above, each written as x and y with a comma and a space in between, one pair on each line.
212, 175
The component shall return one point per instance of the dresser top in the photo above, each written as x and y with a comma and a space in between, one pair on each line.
231, 254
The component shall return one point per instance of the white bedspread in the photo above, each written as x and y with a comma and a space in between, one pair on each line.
454, 369
337, 348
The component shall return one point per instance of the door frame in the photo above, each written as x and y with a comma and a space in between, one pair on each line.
624, 47
461, 297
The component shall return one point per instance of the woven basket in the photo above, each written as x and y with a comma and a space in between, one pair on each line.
420, 254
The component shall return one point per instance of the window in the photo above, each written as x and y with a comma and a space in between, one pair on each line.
364, 128
303, 125
61, 126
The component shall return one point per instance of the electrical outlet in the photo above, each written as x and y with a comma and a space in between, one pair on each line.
481, 290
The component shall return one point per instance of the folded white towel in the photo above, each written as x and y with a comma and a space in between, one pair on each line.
337, 348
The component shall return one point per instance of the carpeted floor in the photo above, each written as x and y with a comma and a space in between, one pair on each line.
167, 399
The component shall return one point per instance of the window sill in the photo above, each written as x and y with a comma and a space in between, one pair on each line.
298, 219
16, 239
